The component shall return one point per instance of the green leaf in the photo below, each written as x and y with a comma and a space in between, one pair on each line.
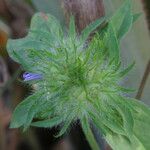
20, 46
141, 115
125, 113
112, 43
51, 34
24, 112
48, 23
126, 70
125, 90
30, 116
122, 19
72, 28
49, 123
42, 56
21, 61
90, 28
119, 142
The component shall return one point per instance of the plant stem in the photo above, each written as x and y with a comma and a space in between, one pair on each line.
143, 82
88, 134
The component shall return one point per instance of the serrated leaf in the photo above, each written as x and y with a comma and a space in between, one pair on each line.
122, 19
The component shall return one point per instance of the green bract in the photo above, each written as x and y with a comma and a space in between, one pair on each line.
80, 80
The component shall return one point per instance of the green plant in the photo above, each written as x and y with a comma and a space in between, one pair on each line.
79, 80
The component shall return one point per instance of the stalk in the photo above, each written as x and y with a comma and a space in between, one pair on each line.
88, 134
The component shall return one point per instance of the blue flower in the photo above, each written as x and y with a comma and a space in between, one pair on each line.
31, 76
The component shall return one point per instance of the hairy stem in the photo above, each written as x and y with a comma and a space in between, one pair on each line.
88, 134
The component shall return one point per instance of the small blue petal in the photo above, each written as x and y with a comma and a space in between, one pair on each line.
31, 76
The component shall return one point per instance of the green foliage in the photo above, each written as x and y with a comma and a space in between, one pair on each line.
87, 31
47, 123
122, 19
141, 136
25, 111
80, 80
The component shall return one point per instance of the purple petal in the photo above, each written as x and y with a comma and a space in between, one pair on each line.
31, 76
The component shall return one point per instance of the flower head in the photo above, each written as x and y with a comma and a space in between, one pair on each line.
79, 81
